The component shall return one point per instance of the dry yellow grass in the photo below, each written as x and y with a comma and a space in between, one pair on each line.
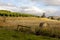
26, 21
53, 26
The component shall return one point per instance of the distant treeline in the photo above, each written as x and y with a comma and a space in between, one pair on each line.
15, 14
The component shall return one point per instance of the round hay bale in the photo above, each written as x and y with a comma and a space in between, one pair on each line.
43, 25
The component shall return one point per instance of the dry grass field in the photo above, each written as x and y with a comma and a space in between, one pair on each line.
26, 21
53, 26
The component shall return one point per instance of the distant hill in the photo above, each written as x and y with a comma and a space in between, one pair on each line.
15, 14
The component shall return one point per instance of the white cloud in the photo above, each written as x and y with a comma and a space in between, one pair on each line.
52, 2
26, 9
8, 7
49, 2
32, 10
7, 4
29, 9
50, 11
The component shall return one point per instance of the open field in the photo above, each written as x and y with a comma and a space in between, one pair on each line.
34, 22
26, 21
51, 29
14, 21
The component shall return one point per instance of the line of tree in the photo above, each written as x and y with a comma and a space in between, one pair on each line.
14, 14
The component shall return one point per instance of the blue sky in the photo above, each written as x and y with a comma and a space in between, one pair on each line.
51, 6
19, 3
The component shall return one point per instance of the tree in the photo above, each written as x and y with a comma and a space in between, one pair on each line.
6, 15
58, 19
1, 14
52, 17
10, 15
43, 16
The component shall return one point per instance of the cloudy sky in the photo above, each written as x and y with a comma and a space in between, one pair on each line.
36, 7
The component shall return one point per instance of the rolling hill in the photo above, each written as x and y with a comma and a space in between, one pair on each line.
15, 14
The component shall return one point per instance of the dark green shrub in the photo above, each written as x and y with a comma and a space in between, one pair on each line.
6, 14
2, 14
58, 19
10, 15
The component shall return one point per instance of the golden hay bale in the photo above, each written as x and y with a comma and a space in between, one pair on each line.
43, 25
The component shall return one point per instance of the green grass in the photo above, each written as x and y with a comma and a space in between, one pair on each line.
15, 14
15, 35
